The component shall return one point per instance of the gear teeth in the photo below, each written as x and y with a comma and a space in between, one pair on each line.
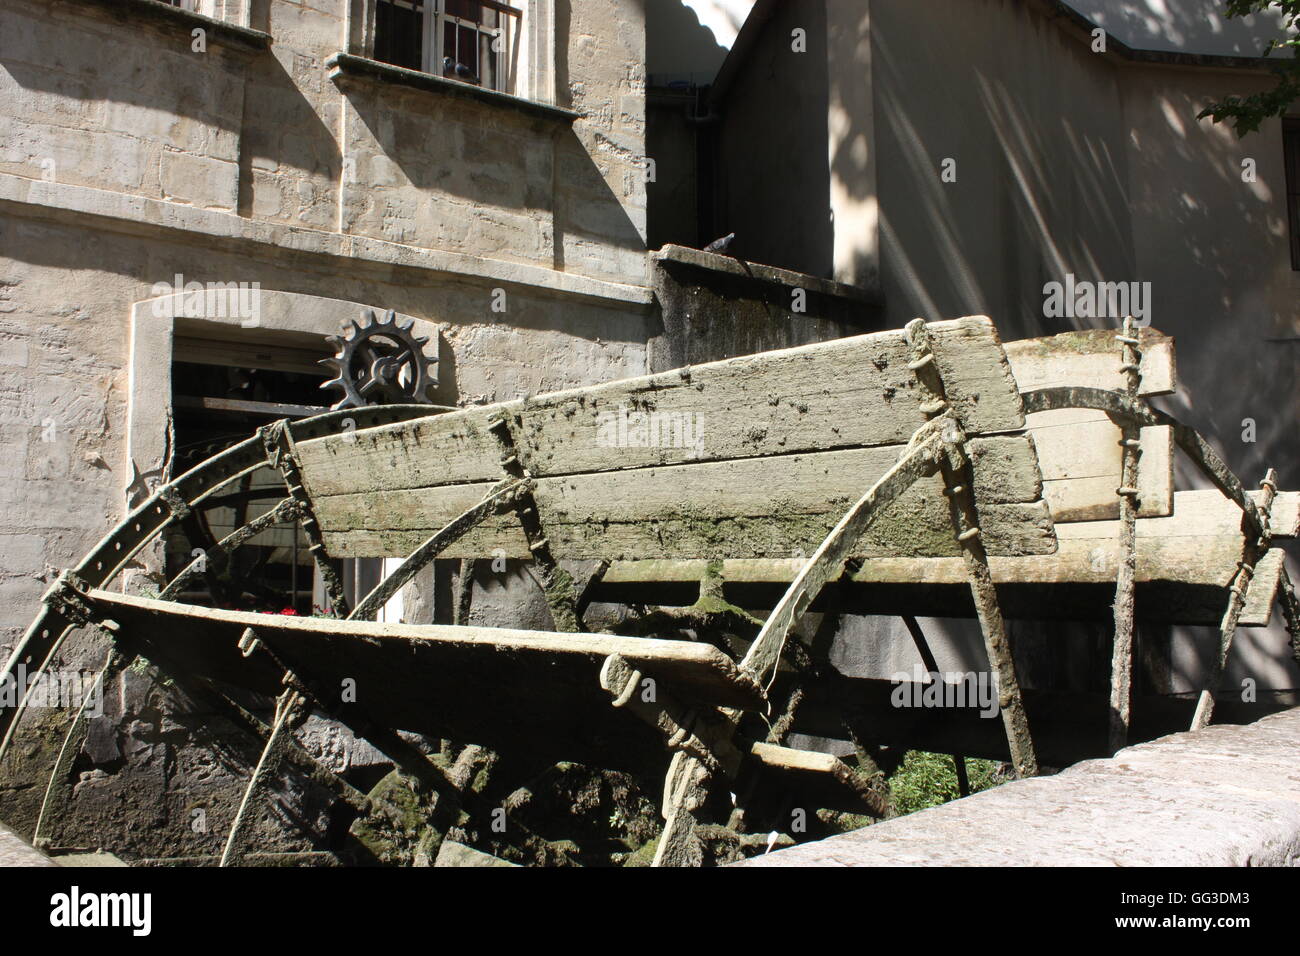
411, 352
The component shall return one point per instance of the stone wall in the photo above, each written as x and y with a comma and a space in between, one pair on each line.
513, 230
1064, 161
113, 95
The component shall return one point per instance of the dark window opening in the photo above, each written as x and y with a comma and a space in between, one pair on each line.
1291, 152
399, 27
473, 41
221, 393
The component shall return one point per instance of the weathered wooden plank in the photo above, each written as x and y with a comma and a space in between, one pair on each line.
1199, 547
847, 393
822, 779
1091, 356
757, 507
698, 671
450, 448
1078, 448
1261, 593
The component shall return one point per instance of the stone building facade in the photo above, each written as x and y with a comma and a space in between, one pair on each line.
258, 144
961, 155
194, 194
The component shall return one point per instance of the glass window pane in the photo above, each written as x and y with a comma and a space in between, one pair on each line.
398, 31
467, 48
449, 47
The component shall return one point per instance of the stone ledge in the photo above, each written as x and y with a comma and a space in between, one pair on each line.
755, 272
344, 66
1224, 796
142, 215
15, 851
165, 13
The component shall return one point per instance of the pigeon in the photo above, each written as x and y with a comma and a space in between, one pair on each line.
457, 69
720, 245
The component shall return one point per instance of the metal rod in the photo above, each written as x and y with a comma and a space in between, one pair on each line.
288, 708
958, 481
502, 496
1252, 551
1121, 662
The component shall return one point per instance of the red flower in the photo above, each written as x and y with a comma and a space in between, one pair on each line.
290, 611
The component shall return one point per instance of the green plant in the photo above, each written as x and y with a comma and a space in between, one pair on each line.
1246, 112
927, 780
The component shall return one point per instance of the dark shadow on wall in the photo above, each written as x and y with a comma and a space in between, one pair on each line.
682, 58
773, 172
1036, 184
679, 49
282, 127
478, 152
489, 156
97, 55
143, 65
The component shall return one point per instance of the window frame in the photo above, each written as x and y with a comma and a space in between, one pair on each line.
435, 18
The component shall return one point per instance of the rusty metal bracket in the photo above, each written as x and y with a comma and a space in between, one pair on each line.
1121, 663
954, 464
176, 504
1252, 551
557, 584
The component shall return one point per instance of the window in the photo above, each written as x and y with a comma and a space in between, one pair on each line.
222, 390
474, 41
1291, 150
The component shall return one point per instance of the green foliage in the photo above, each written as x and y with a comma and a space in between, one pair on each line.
927, 780
1245, 113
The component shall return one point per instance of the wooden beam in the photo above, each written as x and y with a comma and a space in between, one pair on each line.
1078, 449
695, 670
848, 393
1185, 564
757, 507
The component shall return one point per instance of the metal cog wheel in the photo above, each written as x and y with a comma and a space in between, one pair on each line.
380, 363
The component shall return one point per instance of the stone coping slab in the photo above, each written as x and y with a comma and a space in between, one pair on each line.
15, 851
1223, 796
